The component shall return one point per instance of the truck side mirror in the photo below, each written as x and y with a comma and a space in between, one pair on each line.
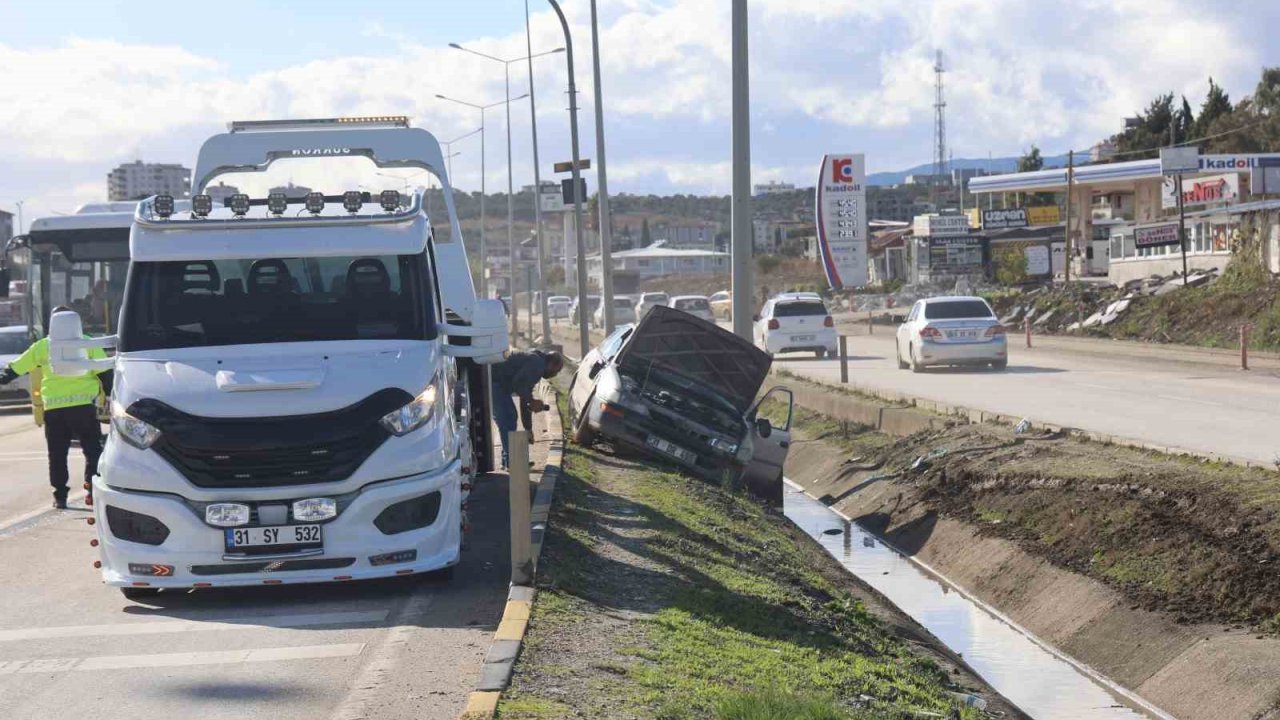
485, 340
4, 282
68, 347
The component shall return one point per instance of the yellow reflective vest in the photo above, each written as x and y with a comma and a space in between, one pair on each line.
59, 391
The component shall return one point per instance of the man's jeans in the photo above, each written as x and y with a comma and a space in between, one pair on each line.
504, 416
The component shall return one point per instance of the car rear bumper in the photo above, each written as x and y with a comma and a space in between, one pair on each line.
931, 353
779, 342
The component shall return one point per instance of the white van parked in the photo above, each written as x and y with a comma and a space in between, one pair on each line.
299, 385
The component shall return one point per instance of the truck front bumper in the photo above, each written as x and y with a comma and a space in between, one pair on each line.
194, 554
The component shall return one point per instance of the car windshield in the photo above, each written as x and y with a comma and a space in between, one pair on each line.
688, 304
194, 303
13, 343
559, 300
799, 309
957, 310
622, 303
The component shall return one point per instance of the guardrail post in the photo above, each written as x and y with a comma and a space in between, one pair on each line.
844, 359
871, 325
1244, 346
518, 481
1026, 325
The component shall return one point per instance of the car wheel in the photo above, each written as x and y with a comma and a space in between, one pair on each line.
1000, 364
582, 433
137, 593
897, 352
916, 366
820, 354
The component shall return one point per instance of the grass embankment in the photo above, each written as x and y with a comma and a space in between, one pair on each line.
1196, 539
664, 597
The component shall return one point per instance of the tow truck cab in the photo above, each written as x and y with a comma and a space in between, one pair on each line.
300, 385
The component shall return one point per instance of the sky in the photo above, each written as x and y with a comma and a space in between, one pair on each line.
88, 85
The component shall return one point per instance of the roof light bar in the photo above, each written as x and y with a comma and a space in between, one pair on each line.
277, 203
163, 205
385, 121
314, 203
352, 201
239, 204
201, 205
390, 200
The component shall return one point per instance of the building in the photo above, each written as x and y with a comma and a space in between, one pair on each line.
220, 192
138, 180
772, 188
691, 236
960, 177
659, 261
927, 179
887, 255
1116, 206
892, 203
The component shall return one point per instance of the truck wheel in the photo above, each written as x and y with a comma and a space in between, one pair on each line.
582, 433
137, 593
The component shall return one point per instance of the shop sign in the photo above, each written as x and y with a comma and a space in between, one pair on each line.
1005, 218
842, 219
1047, 215
1156, 235
1201, 191
939, 225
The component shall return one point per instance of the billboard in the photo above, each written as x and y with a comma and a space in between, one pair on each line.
1045, 215
1003, 219
842, 220
940, 225
1200, 191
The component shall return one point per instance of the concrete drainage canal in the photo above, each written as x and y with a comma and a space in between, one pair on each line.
1042, 683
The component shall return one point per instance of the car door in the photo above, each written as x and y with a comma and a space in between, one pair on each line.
770, 445
904, 331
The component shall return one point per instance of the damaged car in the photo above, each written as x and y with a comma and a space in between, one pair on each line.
684, 390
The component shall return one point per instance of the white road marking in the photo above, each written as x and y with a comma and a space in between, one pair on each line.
181, 626
159, 660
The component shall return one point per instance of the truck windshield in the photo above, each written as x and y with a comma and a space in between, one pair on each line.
194, 303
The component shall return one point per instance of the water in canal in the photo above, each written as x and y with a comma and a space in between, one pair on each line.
1041, 684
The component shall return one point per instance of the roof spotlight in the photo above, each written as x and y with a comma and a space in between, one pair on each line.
277, 203
239, 204
201, 205
390, 200
163, 206
314, 203
352, 201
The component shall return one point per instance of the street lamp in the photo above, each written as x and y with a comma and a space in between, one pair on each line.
484, 281
511, 241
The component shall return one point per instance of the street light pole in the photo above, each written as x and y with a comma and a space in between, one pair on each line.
537, 185
584, 304
606, 231
742, 281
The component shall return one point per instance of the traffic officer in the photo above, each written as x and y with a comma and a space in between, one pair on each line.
69, 412
517, 375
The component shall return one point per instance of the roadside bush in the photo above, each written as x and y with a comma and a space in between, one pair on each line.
1011, 266
774, 704
766, 264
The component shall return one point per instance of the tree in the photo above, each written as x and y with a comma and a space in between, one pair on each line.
1031, 160
1149, 131
646, 237
1216, 105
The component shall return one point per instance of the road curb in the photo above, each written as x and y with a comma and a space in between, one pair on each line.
508, 639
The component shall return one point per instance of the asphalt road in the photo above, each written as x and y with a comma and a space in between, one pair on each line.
72, 647
1198, 407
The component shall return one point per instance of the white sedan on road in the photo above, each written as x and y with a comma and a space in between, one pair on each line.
558, 307
951, 331
796, 322
14, 340
696, 305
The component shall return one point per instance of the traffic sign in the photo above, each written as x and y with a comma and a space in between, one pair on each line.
567, 165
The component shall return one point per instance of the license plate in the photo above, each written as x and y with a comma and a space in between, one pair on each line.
801, 338
284, 536
962, 334
670, 448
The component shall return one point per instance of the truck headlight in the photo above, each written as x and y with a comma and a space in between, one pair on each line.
315, 509
416, 413
226, 514
137, 433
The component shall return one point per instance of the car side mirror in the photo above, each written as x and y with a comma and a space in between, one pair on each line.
764, 428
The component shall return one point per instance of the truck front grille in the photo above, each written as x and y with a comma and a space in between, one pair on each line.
272, 451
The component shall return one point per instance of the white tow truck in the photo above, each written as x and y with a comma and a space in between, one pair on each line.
300, 385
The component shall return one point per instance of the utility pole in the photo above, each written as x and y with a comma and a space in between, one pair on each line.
606, 231
511, 238
743, 283
1071, 173
584, 315
537, 187
939, 131
1182, 230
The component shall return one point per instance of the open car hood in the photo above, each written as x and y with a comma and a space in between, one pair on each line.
700, 351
